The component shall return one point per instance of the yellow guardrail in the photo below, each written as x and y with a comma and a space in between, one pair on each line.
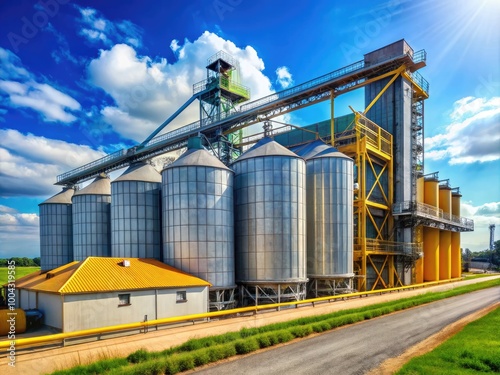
188, 318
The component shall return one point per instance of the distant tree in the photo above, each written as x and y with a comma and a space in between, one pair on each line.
37, 261
3, 262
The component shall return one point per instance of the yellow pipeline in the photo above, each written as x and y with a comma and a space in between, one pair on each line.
419, 264
188, 318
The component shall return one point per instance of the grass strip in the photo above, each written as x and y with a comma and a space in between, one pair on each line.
475, 349
200, 351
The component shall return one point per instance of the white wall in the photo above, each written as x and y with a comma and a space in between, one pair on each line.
27, 299
51, 307
85, 311
197, 302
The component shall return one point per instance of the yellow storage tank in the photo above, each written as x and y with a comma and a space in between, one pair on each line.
431, 254
456, 254
431, 235
419, 234
431, 192
445, 236
6, 323
444, 255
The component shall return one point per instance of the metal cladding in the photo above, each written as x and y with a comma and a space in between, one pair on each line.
91, 220
135, 213
56, 230
198, 219
329, 211
270, 212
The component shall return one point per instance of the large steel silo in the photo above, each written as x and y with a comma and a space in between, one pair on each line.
91, 219
329, 218
198, 221
56, 230
270, 224
135, 213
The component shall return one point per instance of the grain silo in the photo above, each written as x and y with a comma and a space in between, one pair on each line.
91, 219
56, 230
329, 218
135, 213
198, 221
270, 224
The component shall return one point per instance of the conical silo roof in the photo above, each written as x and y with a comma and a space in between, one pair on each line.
100, 186
319, 149
198, 157
266, 147
140, 171
63, 197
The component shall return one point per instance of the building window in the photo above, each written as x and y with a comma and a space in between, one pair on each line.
123, 300
181, 296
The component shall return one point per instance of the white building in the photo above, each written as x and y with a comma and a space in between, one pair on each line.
99, 292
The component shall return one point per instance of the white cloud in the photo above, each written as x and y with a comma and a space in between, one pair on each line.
174, 45
472, 136
483, 216
23, 91
146, 91
97, 29
62, 52
19, 233
7, 210
284, 77
29, 163
10, 66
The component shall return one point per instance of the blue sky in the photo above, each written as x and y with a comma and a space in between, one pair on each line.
79, 79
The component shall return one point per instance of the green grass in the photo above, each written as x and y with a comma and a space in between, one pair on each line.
20, 272
475, 349
196, 352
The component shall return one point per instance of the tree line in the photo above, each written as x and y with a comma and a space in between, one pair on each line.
21, 262
491, 256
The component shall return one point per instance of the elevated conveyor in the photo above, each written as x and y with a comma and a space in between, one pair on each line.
314, 91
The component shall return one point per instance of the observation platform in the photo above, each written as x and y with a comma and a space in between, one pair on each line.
416, 213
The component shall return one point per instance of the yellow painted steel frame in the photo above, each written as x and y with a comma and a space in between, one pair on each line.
370, 145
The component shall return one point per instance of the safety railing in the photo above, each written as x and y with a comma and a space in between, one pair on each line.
96, 163
223, 56
224, 83
421, 81
374, 245
365, 128
304, 86
32, 341
426, 210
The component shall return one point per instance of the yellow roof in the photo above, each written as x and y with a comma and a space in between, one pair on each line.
99, 274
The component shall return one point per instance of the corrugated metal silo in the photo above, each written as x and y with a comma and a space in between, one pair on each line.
135, 213
198, 221
270, 224
329, 218
56, 230
91, 220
